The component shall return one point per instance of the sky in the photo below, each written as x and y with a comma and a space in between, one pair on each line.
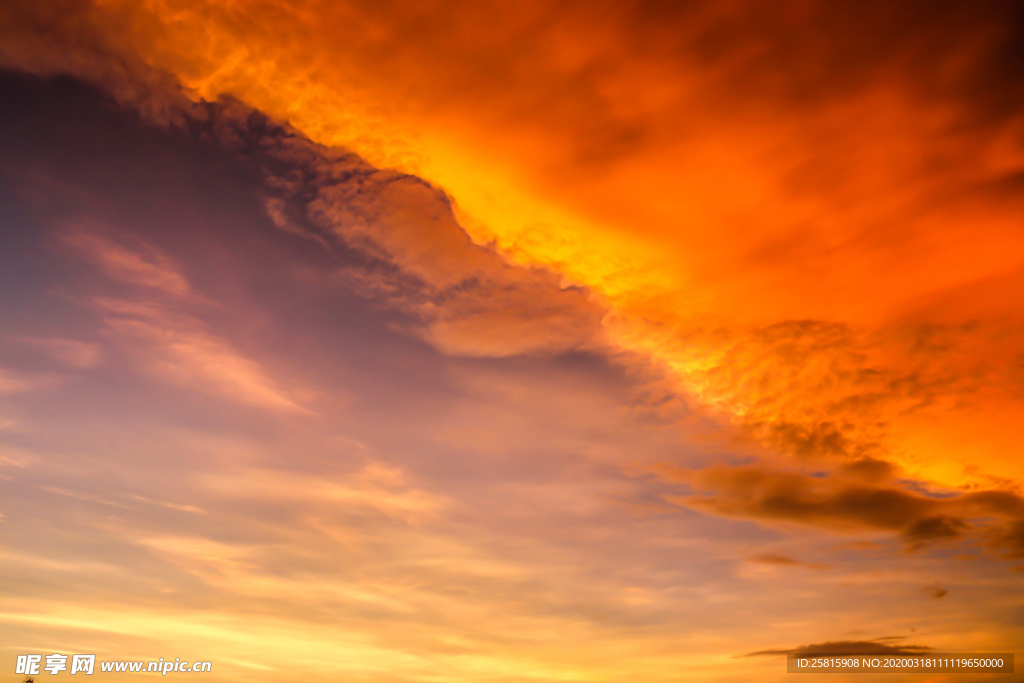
439, 341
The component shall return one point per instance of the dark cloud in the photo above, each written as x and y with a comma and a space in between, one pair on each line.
790, 496
845, 647
856, 496
1010, 540
811, 440
870, 470
398, 242
404, 247
394, 235
923, 531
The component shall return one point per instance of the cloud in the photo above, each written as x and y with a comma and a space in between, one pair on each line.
843, 501
493, 530
174, 506
394, 234
845, 647
933, 528
1010, 539
180, 349
802, 215
792, 496
142, 265
72, 353
83, 496
17, 382
403, 247
160, 321
376, 487
778, 560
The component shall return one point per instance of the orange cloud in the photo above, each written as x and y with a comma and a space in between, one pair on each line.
494, 533
805, 212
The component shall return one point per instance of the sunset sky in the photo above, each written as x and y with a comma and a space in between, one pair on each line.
438, 341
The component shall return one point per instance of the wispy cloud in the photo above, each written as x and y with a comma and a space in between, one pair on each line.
376, 487
779, 560
179, 349
71, 353
19, 382
142, 264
